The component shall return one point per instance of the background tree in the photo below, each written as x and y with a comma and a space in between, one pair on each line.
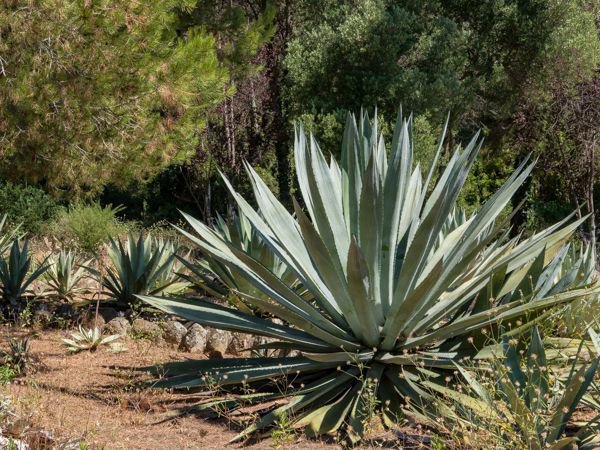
181, 89
483, 61
101, 91
237, 128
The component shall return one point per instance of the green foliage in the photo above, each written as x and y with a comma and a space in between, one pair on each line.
88, 339
27, 205
241, 34
14, 271
401, 287
87, 226
492, 64
64, 275
7, 374
283, 434
488, 174
469, 57
534, 396
77, 114
141, 267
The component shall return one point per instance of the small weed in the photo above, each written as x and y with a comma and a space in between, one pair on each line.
17, 357
283, 433
437, 443
62, 323
141, 335
7, 374
26, 316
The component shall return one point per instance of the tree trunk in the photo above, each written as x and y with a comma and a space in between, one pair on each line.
590, 197
279, 124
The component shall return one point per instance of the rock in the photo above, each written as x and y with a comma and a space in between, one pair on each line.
108, 314
66, 311
217, 343
144, 329
89, 320
16, 427
39, 439
174, 332
241, 344
195, 339
118, 325
9, 442
42, 314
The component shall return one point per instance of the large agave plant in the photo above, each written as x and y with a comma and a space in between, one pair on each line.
224, 282
393, 299
141, 267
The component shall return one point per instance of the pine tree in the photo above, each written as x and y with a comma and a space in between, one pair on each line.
101, 91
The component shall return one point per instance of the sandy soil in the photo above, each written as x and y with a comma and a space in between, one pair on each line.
94, 398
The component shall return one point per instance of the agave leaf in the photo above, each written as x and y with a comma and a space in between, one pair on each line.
563, 444
481, 391
574, 391
500, 313
206, 313
358, 283
312, 393
109, 339
536, 368
329, 418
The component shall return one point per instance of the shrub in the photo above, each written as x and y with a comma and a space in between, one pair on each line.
87, 226
394, 306
27, 205
7, 374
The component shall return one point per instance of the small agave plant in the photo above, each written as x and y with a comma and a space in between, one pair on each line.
225, 283
141, 267
88, 339
15, 278
17, 357
65, 274
396, 295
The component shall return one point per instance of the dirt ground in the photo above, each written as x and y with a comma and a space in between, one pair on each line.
93, 398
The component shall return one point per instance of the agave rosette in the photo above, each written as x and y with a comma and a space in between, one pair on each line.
396, 293
16, 275
65, 275
141, 266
